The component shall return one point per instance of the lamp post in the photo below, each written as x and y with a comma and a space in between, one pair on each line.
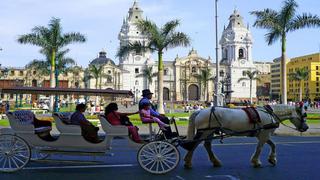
56, 101
16, 103
217, 61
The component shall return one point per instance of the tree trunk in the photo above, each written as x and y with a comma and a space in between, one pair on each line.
250, 91
300, 91
283, 71
52, 77
160, 83
207, 92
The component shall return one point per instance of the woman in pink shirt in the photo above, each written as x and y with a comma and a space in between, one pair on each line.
146, 117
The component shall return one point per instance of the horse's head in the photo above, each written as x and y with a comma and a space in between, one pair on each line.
298, 119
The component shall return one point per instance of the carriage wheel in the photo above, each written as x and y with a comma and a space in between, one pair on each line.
158, 157
14, 153
38, 155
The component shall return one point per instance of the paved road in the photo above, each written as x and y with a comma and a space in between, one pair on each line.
298, 158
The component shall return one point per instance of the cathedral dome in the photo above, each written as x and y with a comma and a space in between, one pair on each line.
102, 59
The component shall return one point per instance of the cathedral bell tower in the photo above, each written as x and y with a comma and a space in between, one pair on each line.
133, 63
236, 48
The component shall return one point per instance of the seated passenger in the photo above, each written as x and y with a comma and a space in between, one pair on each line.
146, 117
88, 130
116, 118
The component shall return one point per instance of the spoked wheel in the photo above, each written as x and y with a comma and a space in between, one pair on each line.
14, 153
158, 157
38, 155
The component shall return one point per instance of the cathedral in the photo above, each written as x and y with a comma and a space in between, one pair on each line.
181, 82
181, 74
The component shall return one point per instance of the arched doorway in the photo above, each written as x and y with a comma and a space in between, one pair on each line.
193, 92
166, 94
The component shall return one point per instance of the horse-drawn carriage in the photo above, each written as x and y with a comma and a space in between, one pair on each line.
21, 142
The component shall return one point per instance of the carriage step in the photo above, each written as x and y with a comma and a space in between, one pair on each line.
78, 153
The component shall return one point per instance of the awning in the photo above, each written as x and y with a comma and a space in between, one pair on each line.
66, 91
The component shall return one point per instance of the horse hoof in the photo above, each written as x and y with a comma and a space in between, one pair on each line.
257, 165
273, 162
186, 166
217, 164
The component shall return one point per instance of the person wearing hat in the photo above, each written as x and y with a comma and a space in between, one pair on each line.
146, 97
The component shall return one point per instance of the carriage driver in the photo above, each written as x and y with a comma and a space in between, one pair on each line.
88, 130
146, 97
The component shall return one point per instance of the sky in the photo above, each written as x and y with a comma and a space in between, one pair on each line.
100, 21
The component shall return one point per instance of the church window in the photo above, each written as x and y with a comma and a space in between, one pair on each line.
109, 72
243, 84
165, 72
137, 83
193, 70
34, 72
241, 53
136, 70
244, 73
225, 55
137, 32
136, 17
221, 73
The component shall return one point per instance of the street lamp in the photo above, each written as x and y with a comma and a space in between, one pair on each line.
217, 61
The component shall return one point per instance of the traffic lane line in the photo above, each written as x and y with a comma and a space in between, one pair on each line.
79, 167
288, 142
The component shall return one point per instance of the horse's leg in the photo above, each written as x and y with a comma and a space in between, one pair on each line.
272, 156
255, 158
188, 157
215, 161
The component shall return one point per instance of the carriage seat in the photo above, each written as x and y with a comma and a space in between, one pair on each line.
64, 125
23, 120
111, 130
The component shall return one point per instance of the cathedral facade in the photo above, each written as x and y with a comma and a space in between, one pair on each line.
182, 74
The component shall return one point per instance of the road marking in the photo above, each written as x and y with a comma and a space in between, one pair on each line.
237, 144
221, 176
179, 177
79, 167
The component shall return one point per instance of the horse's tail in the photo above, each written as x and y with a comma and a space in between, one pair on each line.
191, 126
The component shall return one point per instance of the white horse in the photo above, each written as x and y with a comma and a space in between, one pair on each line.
236, 123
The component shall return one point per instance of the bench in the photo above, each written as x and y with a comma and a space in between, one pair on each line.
23, 121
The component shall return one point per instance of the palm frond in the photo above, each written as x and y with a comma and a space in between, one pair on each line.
305, 20
287, 12
177, 39
266, 18
136, 47
272, 36
243, 79
170, 27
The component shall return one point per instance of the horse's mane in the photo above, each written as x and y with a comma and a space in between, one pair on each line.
282, 109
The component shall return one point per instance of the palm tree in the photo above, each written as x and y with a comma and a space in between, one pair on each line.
250, 77
159, 40
96, 72
300, 75
147, 72
44, 66
279, 24
204, 77
51, 40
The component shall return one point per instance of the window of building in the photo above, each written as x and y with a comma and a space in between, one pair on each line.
21, 73
317, 67
12, 73
317, 84
193, 69
34, 72
244, 73
165, 72
137, 83
317, 89
221, 73
243, 84
241, 53
11, 96
136, 70
109, 71
137, 17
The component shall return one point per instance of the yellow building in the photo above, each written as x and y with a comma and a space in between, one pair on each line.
275, 88
310, 87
